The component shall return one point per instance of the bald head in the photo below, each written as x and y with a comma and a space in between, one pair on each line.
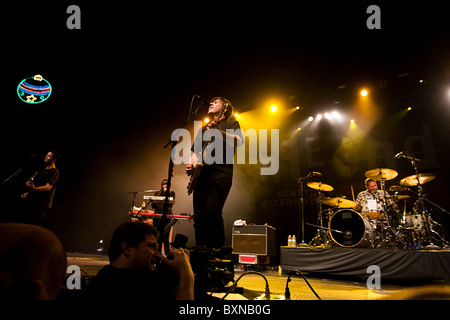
32, 262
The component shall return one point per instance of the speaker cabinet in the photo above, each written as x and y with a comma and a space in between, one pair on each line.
254, 240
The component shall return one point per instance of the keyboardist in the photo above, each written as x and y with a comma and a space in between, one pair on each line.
158, 205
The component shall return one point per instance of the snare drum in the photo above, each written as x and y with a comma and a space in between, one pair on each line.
371, 209
349, 228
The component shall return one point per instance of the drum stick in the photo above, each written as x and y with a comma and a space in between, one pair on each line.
353, 194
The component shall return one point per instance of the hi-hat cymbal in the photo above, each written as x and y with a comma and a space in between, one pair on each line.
339, 202
397, 188
412, 181
320, 186
381, 174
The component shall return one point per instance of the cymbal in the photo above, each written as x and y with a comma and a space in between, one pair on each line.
381, 174
320, 186
397, 188
339, 202
396, 197
412, 180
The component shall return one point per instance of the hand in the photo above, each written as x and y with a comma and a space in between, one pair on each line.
190, 169
30, 185
212, 125
24, 196
180, 262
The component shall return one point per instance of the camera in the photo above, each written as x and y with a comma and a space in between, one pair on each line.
212, 271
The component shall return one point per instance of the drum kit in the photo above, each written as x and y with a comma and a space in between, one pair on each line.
384, 222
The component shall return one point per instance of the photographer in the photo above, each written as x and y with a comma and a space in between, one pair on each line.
132, 272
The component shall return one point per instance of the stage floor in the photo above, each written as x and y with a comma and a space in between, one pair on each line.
254, 285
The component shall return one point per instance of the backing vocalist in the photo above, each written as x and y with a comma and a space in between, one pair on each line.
41, 190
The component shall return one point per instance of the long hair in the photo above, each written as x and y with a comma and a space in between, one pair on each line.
230, 109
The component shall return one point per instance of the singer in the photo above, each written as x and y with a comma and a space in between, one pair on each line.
214, 181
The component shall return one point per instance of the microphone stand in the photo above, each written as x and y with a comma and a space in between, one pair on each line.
420, 201
15, 174
164, 221
302, 218
18, 172
301, 209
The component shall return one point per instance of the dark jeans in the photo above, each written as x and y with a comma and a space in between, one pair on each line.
210, 195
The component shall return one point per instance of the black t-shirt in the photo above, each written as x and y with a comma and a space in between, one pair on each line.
113, 283
50, 176
226, 165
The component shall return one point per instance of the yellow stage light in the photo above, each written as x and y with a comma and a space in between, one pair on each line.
273, 108
206, 120
364, 93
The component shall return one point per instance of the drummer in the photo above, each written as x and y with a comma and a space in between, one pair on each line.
371, 202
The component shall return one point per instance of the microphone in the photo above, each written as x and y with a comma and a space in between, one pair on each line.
202, 100
311, 174
403, 154
399, 155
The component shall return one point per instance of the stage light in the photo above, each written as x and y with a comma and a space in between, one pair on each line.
297, 108
352, 121
364, 93
409, 109
327, 116
337, 116
273, 108
299, 129
319, 117
206, 120
310, 119
236, 114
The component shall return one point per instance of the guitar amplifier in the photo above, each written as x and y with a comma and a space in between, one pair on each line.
256, 240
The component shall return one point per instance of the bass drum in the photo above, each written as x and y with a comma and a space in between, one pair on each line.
348, 228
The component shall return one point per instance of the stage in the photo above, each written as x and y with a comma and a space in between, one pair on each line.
254, 285
396, 266
326, 286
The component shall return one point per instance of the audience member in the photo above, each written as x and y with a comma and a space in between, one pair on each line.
137, 271
32, 263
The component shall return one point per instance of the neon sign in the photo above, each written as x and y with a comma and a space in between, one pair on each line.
34, 89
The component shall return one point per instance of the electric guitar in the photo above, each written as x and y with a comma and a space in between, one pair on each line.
31, 180
199, 166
